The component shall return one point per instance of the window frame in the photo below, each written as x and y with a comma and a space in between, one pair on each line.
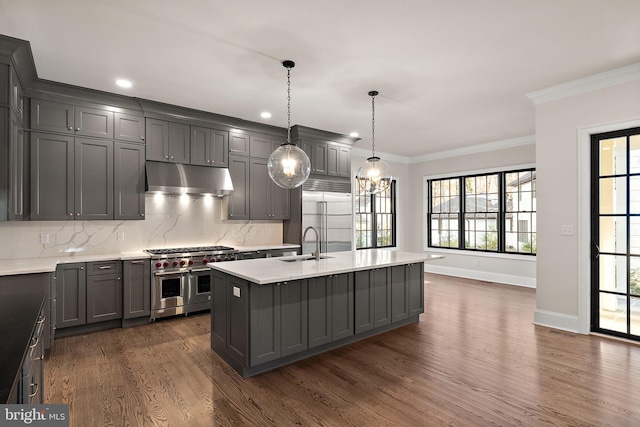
502, 212
374, 220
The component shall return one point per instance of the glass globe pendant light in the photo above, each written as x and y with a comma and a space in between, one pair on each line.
375, 175
289, 166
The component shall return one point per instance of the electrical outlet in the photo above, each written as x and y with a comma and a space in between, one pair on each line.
44, 238
120, 235
236, 292
566, 230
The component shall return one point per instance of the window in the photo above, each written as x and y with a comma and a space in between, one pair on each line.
376, 219
493, 212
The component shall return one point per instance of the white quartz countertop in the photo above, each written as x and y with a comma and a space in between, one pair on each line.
272, 270
249, 248
9, 267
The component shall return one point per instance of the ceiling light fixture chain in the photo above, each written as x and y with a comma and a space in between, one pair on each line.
289, 100
373, 94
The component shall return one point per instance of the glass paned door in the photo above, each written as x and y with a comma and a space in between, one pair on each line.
615, 233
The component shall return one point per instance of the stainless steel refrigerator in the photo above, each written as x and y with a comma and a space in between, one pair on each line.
327, 206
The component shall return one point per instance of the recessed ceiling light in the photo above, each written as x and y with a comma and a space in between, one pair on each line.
354, 134
265, 115
124, 83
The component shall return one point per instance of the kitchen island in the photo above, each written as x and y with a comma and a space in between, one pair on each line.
267, 313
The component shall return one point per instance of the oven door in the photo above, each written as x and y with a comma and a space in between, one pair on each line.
200, 289
168, 293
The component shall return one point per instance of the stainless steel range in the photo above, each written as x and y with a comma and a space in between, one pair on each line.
181, 280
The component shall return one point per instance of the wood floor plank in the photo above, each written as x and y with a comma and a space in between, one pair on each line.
474, 359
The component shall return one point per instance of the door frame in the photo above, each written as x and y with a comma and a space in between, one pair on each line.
584, 217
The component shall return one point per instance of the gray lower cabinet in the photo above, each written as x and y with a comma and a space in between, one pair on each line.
330, 308
88, 293
32, 382
278, 315
128, 180
407, 291
372, 299
415, 278
136, 280
71, 295
104, 297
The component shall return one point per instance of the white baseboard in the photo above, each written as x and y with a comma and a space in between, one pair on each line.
527, 282
556, 320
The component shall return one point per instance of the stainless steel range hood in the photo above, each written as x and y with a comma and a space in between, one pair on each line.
175, 178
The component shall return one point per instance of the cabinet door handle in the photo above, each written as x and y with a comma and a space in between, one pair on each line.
118, 278
70, 214
78, 214
141, 214
35, 392
81, 268
70, 128
137, 262
105, 267
77, 129
166, 157
142, 138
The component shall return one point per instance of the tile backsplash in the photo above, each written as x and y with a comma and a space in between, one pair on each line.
170, 221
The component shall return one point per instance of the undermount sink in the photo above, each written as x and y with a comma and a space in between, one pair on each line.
305, 258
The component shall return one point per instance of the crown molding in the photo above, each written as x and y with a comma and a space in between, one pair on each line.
474, 149
587, 84
387, 157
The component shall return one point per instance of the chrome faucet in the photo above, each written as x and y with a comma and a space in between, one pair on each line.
304, 235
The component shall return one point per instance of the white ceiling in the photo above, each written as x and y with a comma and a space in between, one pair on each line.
451, 73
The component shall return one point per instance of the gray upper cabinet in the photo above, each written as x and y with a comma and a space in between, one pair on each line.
17, 96
129, 128
239, 144
209, 147
344, 162
52, 116
319, 158
268, 200
71, 178
168, 141
93, 179
128, 180
52, 177
260, 146
18, 208
328, 158
333, 155
238, 201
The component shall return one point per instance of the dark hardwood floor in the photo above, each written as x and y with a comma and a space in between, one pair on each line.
474, 359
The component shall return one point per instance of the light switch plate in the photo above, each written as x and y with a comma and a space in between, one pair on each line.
236, 292
120, 235
566, 230
44, 238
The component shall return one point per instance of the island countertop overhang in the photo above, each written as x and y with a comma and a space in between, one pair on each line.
274, 270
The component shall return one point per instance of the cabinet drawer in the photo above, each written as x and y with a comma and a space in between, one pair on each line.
103, 267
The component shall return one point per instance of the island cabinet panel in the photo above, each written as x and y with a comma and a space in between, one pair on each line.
265, 312
399, 293
293, 317
219, 310
330, 308
372, 299
415, 280
238, 332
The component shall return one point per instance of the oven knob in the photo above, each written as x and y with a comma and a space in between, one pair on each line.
219, 260
213, 260
227, 258
183, 262
175, 263
166, 264
190, 262
158, 264
204, 261
232, 258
